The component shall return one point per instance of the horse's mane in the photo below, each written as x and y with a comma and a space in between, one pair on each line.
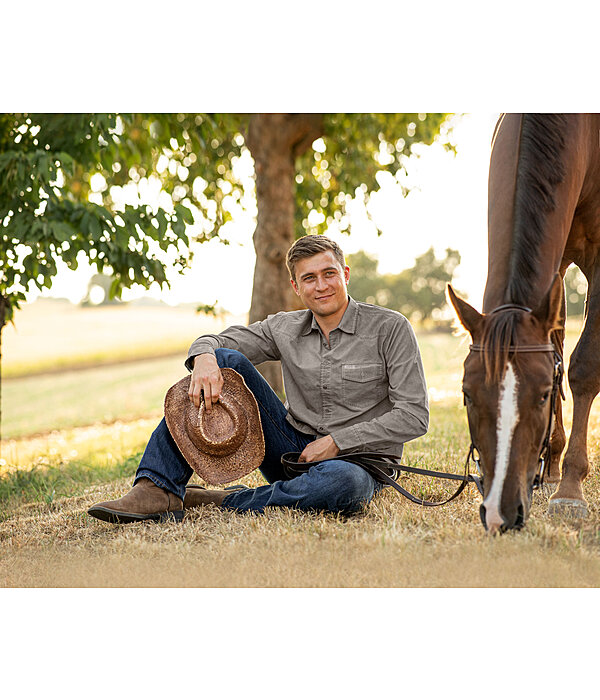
540, 169
498, 336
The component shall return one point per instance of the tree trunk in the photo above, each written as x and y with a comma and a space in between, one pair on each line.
275, 140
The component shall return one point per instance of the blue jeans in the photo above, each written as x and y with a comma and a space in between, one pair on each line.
334, 485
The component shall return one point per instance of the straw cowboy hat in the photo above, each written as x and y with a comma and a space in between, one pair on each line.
224, 443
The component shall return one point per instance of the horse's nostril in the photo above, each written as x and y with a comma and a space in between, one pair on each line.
495, 527
518, 522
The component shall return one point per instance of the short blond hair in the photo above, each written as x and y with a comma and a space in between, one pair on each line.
307, 246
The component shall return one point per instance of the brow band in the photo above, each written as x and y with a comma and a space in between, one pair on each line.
512, 307
517, 348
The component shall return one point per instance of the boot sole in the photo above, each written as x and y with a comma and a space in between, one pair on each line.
118, 517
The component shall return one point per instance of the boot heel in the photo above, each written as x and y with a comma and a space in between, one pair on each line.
172, 516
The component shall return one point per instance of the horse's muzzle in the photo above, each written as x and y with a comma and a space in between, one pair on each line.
517, 522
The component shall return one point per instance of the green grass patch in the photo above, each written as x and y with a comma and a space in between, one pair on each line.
39, 404
49, 483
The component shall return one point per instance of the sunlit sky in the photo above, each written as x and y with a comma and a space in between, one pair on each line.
446, 208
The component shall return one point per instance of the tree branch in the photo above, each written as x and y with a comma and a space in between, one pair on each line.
305, 128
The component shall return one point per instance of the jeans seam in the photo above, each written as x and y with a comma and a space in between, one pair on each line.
275, 424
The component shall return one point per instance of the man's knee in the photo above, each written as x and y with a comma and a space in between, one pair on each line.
233, 359
352, 485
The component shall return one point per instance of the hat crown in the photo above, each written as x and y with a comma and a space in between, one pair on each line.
220, 430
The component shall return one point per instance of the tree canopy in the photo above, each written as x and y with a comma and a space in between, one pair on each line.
71, 184
47, 162
46, 165
353, 152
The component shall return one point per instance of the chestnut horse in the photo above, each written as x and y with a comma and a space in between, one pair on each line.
543, 215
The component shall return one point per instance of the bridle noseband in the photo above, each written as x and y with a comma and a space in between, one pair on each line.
556, 387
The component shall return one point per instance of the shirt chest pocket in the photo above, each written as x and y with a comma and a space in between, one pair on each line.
364, 385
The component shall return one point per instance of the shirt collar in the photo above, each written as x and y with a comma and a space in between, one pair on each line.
347, 324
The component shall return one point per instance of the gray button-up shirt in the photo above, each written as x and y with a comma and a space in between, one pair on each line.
366, 387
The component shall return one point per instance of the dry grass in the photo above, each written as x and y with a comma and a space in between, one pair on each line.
51, 542
393, 543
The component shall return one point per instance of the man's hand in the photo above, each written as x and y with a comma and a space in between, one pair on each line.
207, 378
323, 448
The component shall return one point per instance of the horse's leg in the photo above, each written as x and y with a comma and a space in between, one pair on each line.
558, 439
584, 380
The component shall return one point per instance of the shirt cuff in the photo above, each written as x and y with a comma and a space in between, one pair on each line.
198, 349
347, 439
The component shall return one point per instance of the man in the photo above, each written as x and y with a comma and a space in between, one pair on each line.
354, 382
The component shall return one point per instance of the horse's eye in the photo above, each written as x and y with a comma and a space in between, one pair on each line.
544, 398
467, 399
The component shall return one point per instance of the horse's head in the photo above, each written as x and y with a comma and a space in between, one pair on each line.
507, 385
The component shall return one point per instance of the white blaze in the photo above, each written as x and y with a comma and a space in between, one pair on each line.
508, 417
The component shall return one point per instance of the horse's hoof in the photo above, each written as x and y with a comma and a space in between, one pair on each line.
568, 507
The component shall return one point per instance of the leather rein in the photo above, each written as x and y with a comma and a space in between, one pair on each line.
382, 466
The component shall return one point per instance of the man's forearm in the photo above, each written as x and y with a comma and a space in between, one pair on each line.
398, 426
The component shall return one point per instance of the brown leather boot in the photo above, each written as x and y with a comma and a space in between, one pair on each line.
145, 501
196, 495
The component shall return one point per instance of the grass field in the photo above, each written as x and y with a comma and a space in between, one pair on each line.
41, 404
50, 480
52, 335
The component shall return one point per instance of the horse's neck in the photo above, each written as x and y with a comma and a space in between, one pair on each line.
501, 194
501, 208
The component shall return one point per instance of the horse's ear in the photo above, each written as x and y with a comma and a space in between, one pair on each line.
549, 311
468, 316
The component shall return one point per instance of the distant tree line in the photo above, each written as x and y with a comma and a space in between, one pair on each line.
419, 292
575, 291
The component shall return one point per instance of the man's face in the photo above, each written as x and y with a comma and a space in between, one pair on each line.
321, 283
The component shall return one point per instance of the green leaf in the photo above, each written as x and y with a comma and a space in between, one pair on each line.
94, 228
61, 231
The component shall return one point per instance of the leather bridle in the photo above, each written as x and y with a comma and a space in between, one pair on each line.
557, 378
